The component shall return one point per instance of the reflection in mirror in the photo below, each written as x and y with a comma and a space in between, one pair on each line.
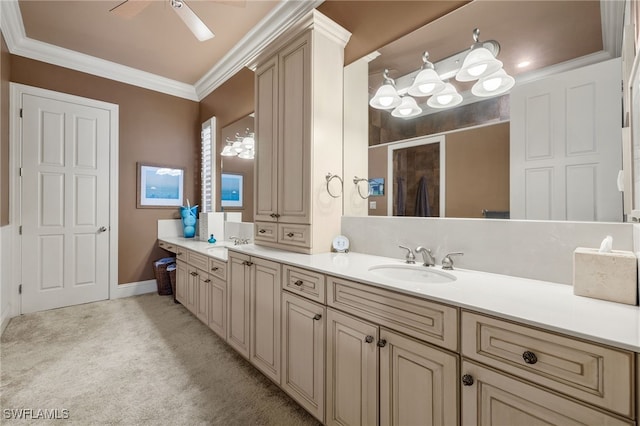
238, 165
537, 43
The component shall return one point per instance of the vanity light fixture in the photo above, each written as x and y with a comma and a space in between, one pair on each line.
243, 147
386, 97
479, 63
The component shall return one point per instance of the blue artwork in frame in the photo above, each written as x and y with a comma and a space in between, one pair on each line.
160, 186
231, 190
376, 187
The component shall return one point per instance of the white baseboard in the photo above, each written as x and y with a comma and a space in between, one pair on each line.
133, 289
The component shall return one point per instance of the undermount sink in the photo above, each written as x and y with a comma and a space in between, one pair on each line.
413, 273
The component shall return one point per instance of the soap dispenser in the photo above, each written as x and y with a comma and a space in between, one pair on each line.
211, 239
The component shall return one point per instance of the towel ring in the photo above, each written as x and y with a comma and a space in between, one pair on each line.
356, 181
329, 178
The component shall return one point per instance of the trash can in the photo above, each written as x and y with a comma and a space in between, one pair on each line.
171, 269
162, 275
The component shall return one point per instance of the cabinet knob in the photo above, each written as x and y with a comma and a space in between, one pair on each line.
529, 357
290, 234
247, 263
207, 280
215, 268
179, 253
467, 380
299, 283
382, 343
193, 274
169, 247
262, 231
317, 317
368, 339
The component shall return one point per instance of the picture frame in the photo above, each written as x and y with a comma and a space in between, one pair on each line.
159, 186
231, 190
376, 187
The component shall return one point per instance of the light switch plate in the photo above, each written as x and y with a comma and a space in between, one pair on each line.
372, 204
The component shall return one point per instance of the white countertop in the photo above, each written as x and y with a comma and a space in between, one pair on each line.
547, 305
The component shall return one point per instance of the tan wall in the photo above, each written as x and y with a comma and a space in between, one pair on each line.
5, 68
154, 127
377, 169
476, 171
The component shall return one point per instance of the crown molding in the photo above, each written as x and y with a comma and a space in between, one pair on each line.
612, 18
21, 45
279, 20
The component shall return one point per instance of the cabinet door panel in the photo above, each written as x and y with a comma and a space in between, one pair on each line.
202, 297
238, 304
352, 370
303, 325
192, 289
266, 125
217, 307
418, 383
294, 155
265, 317
182, 282
498, 399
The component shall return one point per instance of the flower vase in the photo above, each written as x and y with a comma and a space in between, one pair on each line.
189, 217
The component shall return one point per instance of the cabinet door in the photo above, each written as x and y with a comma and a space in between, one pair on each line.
265, 317
352, 370
192, 289
418, 383
294, 142
202, 296
303, 325
491, 398
218, 306
182, 282
238, 303
266, 126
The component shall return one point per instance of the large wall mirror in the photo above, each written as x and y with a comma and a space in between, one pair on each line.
235, 178
537, 39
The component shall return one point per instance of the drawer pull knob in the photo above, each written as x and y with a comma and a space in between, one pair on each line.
529, 357
215, 268
247, 263
290, 234
207, 280
368, 339
299, 283
193, 274
262, 231
382, 343
467, 380
169, 247
317, 317
179, 253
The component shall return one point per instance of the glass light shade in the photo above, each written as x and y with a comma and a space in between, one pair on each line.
478, 63
247, 142
385, 98
446, 98
228, 151
408, 108
247, 155
494, 84
426, 83
237, 146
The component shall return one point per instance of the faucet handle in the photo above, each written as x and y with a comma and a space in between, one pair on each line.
447, 262
410, 257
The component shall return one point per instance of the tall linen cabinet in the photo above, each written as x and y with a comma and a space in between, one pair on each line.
298, 124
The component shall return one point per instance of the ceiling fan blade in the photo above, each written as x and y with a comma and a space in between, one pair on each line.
130, 8
236, 3
197, 27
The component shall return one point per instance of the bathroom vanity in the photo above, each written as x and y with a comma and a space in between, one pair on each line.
354, 345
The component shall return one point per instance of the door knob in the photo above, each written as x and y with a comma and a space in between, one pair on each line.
102, 229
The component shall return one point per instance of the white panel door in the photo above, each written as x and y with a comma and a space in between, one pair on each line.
65, 203
566, 146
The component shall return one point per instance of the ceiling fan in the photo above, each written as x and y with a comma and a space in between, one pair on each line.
130, 8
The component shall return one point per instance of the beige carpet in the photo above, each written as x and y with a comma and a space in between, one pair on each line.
139, 360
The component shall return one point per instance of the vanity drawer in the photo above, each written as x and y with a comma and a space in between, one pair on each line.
266, 231
432, 322
181, 253
296, 235
218, 268
167, 246
599, 375
198, 260
305, 283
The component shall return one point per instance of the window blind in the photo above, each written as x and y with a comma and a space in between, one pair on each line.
207, 171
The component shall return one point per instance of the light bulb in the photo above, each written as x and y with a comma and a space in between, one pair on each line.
404, 111
491, 84
476, 70
427, 87
444, 99
386, 101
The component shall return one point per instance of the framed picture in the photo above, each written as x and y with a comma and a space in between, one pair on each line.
231, 190
159, 186
376, 187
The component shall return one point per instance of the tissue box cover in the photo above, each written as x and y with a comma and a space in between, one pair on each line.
609, 276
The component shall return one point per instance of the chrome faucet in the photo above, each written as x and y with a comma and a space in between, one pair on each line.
238, 241
427, 257
410, 257
447, 262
